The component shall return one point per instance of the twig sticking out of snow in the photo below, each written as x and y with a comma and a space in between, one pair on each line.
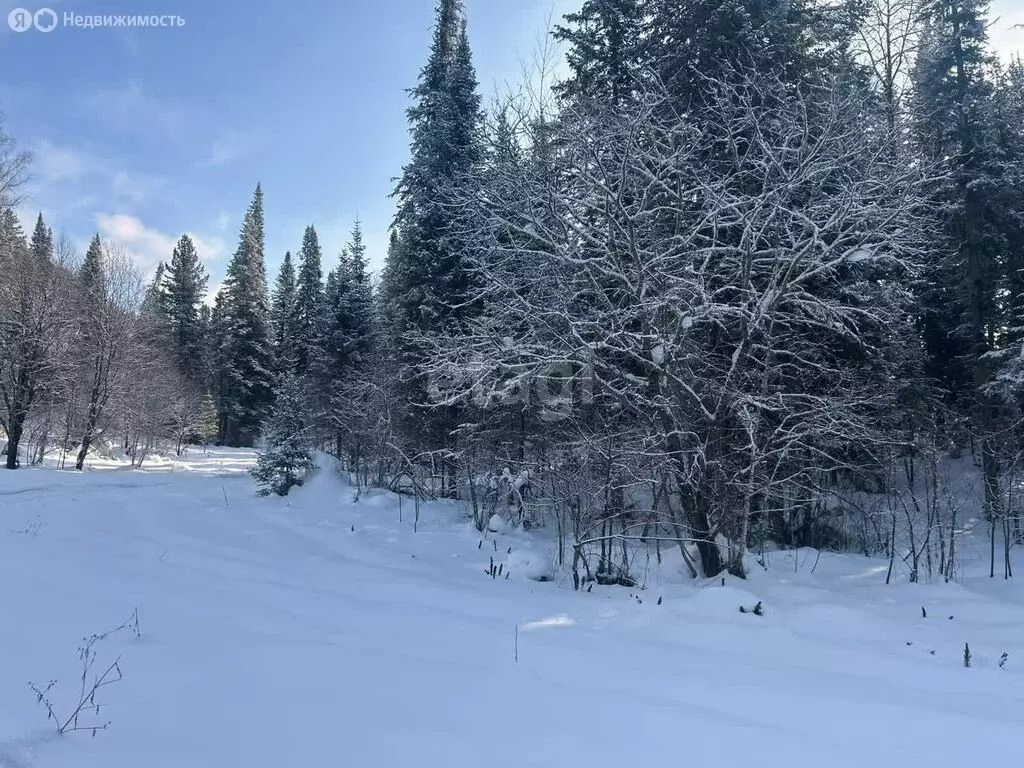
32, 529
87, 706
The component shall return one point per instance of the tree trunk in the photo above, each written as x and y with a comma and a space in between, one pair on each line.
82, 451
14, 439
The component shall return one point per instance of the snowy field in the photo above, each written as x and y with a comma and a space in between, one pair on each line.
322, 631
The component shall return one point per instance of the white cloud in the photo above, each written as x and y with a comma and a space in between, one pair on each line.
150, 246
227, 149
135, 186
54, 164
131, 109
66, 175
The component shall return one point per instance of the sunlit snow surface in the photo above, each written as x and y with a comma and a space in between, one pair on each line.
321, 631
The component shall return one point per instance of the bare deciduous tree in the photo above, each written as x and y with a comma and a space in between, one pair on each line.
888, 42
14, 165
36, 333
111, 325
719, 290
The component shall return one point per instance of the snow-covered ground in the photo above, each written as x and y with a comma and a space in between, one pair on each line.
322, 631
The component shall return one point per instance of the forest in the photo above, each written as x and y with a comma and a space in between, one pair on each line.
749, 272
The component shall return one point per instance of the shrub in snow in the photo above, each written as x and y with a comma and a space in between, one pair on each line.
285, 459
84, 716
967, 656
757, 610
534, 566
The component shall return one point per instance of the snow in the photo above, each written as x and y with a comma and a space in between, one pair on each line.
858, 255
534, 565
319, 630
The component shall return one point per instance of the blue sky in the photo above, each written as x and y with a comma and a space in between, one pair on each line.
142, 134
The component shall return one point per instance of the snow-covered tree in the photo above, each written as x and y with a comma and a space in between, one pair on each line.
427, 281
185, 286
283, 326
36, 325
345, 359
245, 356
953, 112
699, 296
309, 294
285, 459
111, 328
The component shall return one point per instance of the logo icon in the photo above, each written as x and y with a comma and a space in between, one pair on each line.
45, 20
20, 20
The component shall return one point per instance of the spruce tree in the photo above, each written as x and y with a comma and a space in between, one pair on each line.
308, 298
42, 241
217, 348
357, 299
208, 423
427, 280
283, 317
90, 273
1009, 123
346, 345
154, 302
690, 45
285, 459
12, 241
156, 310
185, 287
953, 109
246, 357
606, 50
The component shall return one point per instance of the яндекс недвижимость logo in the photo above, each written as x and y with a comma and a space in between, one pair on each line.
47, 20
22, 20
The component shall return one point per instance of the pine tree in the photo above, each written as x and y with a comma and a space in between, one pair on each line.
308, 298
285, 459
185, 283
246, 356
426, 278
283, 319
